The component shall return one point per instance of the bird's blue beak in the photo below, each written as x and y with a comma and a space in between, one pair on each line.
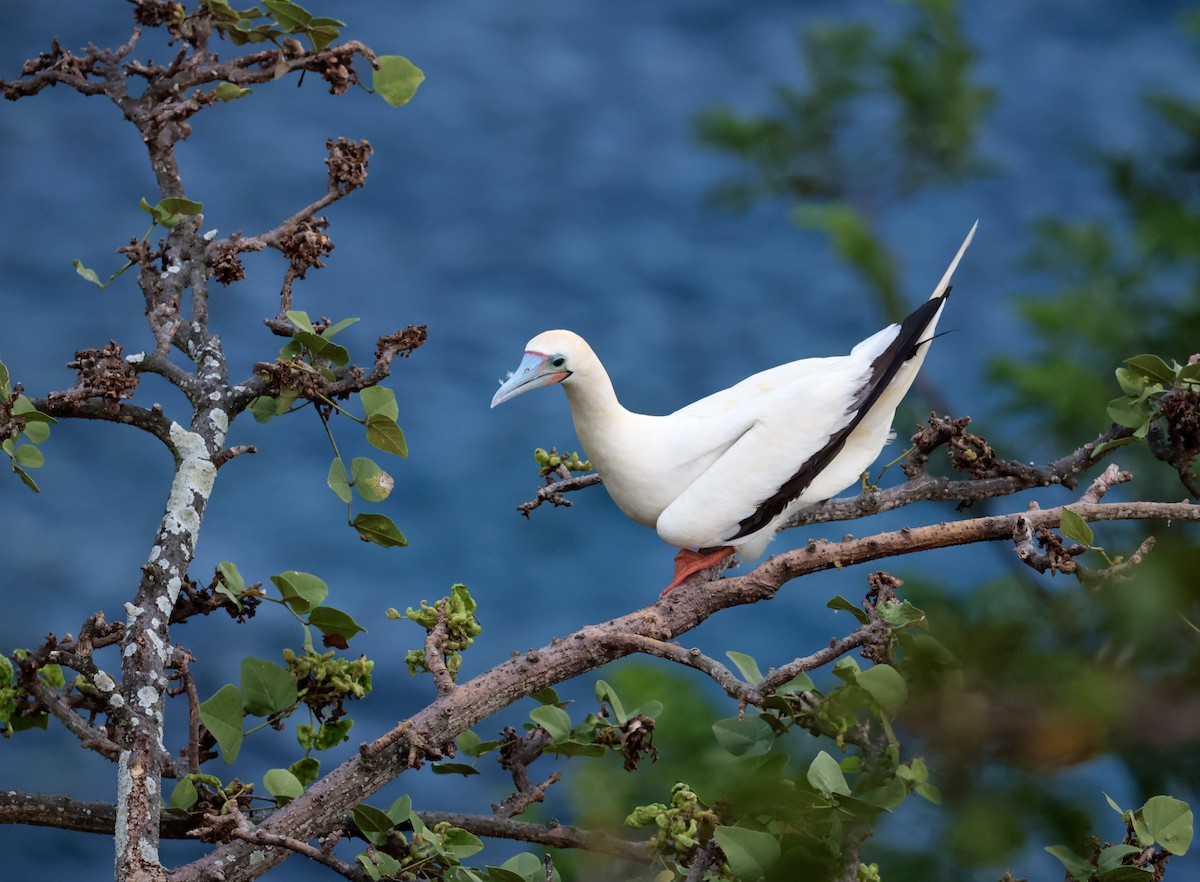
534, 371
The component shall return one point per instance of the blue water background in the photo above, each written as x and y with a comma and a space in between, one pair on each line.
544, 176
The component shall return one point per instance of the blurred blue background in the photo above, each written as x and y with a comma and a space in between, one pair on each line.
545, 175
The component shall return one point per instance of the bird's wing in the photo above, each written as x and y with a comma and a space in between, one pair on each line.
774, 437
794, 433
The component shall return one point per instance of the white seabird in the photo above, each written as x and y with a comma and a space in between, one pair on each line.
722, 474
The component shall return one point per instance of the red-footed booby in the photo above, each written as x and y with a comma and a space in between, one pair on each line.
723, 473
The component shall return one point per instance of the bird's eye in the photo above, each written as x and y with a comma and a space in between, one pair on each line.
558, 361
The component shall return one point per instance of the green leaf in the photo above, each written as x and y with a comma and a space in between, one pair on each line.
750, 853
36, 432
454, 769
555, 720
231, 583
1131, 383
886, 796
459, 844
229, 92
902, 614
379, 400
266, 687
183, 794
1116, 808
885, 685
23, 407
322, 348
396, 79
333, 329
526, 866
605, 693
300, 591
287, 14
1125, 874
330, 621
468, 743
379, 529
1113, 855
374, 823
746, 666
400, 811
799, 683
381, 865
300, 320
751, 736
6, 672
1169, 822
332, 733
28, 456
841, 603
464, 874
306, 770
1152, 367
382, 432
264, 408
825, 775
372, 483
5, 382
222, 716
1128, 413
283, 785
500, 874
89, 274
1076, 528
928, 791
53, 676
338, 481
28, 481
1109, 445
171, 210
576, 748
1077, 867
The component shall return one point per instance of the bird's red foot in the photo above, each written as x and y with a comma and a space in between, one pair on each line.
688, 563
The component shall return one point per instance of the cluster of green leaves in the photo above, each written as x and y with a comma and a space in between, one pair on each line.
13, 695
804, 150
462, 628
778, 818
35, 429
395, 78
276, 20
1143, 382
549, 461
313, 351
1163, 821
274, 692
402, 846
168, 212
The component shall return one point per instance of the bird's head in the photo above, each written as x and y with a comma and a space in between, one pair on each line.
550, 357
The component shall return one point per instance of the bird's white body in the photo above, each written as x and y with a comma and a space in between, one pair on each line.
729, 469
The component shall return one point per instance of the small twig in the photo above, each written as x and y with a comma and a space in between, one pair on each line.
230, 452
235, 826
1117, 572
193, 700
553, 492
523, 799
704, 858
1104, 482
692, 658
435, 647
88, 736
867, 634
